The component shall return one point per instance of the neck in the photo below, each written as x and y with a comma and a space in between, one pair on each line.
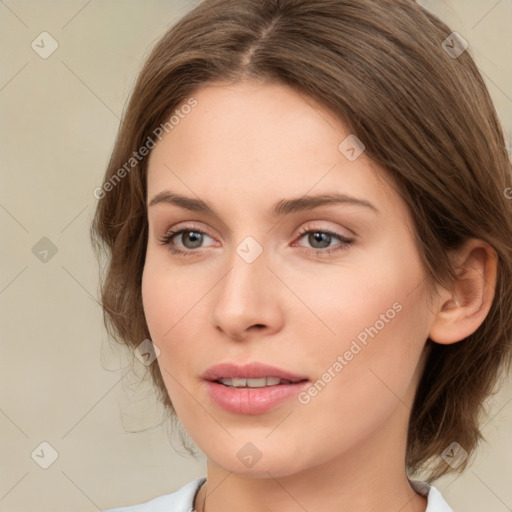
358, 480
411, 502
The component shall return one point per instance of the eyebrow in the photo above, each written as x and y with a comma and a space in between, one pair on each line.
282, 207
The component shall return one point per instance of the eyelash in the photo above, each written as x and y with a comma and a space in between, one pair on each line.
345, 242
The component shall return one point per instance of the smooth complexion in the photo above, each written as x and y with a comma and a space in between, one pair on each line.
244, 148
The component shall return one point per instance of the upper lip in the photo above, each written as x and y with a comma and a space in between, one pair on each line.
252, 370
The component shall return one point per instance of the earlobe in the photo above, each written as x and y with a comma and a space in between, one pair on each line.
463, 309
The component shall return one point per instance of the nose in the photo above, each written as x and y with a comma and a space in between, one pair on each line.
247, 300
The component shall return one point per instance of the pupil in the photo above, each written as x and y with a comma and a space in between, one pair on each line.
314, 237
198, 239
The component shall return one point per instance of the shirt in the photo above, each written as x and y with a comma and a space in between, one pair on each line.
182, 500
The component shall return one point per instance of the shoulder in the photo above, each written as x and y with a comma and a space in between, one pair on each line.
436, 501
181, 500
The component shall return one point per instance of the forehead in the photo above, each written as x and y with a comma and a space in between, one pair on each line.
257, 143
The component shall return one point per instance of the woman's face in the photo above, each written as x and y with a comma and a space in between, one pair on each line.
350, 314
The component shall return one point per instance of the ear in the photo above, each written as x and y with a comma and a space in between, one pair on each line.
462, 310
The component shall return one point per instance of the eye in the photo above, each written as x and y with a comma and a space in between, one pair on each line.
191, 242
321, 239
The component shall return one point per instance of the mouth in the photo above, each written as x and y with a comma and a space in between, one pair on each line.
251, 388
263, 382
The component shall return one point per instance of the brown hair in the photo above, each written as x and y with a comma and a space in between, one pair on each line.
425, 117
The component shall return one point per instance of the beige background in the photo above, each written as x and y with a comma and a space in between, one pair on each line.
61, 382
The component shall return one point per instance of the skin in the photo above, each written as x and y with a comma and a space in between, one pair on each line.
243, 148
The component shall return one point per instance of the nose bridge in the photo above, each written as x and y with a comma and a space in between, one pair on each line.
248, 264
244, 298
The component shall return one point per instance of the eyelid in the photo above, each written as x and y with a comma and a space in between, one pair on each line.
341, 231
191, 225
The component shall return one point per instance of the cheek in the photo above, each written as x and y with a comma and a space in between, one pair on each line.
380, 319
155, 300
379, 355
374, 315
165, 309
375, 298
169, 293
174, 309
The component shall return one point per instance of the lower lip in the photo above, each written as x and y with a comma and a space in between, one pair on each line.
252, 400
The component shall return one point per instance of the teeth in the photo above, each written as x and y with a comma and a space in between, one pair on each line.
254, 383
